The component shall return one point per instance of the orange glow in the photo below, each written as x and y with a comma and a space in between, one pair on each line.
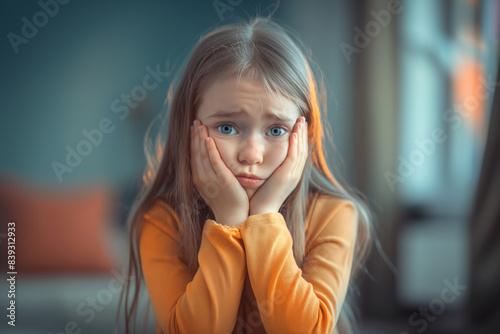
471, 93
316, 133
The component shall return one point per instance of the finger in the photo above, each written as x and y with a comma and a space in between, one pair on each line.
207, 165
296, 148
307, 139
297, 158
292, 150
193, 151
198, 158
304, 145
303, 142
216, 162
300, 142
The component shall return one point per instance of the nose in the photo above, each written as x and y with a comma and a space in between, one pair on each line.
250, 153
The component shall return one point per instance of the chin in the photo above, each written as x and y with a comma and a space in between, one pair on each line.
250, 193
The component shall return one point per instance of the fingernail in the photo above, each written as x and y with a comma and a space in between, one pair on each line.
194, 123
199, 129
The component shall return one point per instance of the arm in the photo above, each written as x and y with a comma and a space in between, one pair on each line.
292, 300
205, 303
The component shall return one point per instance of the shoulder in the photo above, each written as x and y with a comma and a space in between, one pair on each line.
331, 214
327, 206
160, 215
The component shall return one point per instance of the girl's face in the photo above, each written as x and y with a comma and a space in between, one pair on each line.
243, 121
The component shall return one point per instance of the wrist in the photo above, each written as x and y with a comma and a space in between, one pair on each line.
258, 211
234, 220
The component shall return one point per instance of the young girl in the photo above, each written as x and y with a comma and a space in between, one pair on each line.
240, 226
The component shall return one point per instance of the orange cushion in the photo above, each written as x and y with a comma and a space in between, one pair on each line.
63, 230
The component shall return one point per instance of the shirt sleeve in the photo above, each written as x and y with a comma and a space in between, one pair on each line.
282, 290
205, 303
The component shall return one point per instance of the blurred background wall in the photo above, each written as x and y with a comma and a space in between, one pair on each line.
411, 86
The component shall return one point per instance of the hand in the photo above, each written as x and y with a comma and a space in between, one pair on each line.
215, 182
275, 190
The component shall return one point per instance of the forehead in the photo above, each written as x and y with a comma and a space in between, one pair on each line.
230, 97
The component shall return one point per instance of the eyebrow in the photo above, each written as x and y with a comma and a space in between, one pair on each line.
223, 113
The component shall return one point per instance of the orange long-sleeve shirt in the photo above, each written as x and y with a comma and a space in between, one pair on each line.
248, 280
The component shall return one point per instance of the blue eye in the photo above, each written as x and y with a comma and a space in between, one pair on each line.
228, 127
277, 127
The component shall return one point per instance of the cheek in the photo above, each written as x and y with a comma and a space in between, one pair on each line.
274, 156
277, 154
225, 150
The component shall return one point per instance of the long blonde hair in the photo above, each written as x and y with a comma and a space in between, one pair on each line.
265, 51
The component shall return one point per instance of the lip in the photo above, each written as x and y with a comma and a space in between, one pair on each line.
250, 176
249, 182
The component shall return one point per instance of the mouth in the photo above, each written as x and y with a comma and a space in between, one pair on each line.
249, 182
